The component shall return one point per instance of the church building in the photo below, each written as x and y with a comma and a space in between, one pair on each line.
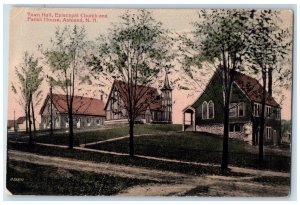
150, 106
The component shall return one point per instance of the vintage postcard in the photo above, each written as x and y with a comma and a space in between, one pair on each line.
150, 102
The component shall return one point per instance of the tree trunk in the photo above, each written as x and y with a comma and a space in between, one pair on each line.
29, 119
51, 113
270, 81
33, 118
262, 118
26, 118
131, 143
224, 164
71, 135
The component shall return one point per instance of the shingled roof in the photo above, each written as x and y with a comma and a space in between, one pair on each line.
249, 86
81, 105
21, 120
253, 89
146, 96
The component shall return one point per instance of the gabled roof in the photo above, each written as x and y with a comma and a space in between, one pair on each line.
21, 120
253, 89
146, 96
81, 105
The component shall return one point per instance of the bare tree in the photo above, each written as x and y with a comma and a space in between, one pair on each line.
65, 58
135, 51
268, 46
30, 79
218, 38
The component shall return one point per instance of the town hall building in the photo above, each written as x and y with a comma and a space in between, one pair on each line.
87, 112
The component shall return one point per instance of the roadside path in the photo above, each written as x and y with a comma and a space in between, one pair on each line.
103, 168
166, 182
111, 140
232, 168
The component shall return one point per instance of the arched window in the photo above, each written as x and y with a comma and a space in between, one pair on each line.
204, 110
211, 110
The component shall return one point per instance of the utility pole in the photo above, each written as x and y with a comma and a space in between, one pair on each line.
51, 113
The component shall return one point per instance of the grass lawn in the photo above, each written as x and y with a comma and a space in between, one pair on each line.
165, 141
123, 160
184, 146
198, 147
83, 137
30, 179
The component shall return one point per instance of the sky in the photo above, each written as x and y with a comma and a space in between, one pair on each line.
30, 27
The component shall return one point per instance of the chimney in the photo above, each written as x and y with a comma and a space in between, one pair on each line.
101, 97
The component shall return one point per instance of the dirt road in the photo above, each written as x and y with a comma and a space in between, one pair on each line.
166, 183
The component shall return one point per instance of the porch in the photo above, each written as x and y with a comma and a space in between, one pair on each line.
189, 119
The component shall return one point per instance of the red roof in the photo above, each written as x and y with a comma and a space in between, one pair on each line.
253, 89
21, 120
81, 105
145, 96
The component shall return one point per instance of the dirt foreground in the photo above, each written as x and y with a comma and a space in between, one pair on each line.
169, 183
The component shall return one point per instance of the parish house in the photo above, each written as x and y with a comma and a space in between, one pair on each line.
206, 113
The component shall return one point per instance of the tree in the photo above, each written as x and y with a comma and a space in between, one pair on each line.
268, 46
30, 80
135, 51
65, 59
218, 39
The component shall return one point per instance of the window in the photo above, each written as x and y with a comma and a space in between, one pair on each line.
98, 122
277, 113
235, 127
56, 122
237, 109
268, 112
256, 109
232, 109
269, 132
88, 121
204, 110
241, 109
211, 110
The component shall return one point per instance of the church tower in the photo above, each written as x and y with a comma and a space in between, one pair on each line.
166, 101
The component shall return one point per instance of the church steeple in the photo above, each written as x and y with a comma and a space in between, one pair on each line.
166, 83
166, 101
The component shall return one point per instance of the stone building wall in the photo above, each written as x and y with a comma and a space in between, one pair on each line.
217, 129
